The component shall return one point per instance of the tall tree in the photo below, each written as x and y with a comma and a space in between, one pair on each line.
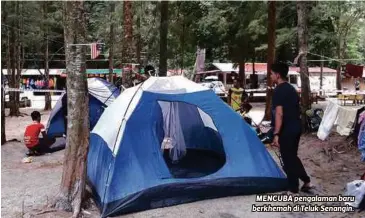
182, 42
342, 18
47, 96
164, 10
270, 56
111, 41
346, 15
13, 56
127, 32
127, 52
73, 180
230, 31
3, 45
302, 13
138, 35
3, 134
242, 73
19, 49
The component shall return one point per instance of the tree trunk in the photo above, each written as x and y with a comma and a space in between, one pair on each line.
72, 188
127, 41
338, 75
3, 135
270, 56
338, 47
8, 62
341, 56
47, 96
321, 77
253, 66
14, 83
242, 74
111, 42
21, 46
182, 42
11, 73
164, 10
18, 49
254, 76
4, 19
303, 11
139, 41
128, 32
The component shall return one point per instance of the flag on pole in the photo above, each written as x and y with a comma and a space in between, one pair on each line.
95, 50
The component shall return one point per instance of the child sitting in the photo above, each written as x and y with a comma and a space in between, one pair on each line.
32, 141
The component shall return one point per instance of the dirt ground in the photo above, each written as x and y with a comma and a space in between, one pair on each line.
28, 187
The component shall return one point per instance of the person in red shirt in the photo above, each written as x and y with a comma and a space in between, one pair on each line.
32, 141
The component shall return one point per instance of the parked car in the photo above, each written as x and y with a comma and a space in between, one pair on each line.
217, 86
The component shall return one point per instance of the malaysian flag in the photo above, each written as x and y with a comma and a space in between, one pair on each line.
95, 50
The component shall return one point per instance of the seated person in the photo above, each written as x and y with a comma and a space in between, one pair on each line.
32, 141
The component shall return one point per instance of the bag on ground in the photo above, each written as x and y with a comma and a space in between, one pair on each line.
357, 189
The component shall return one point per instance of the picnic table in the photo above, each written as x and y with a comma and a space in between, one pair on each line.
356, 98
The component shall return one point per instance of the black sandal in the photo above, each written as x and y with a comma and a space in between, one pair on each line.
307, 189
30, 153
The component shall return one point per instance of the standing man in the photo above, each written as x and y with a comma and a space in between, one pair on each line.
286, 122
236, 96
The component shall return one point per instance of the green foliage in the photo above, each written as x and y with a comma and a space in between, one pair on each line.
338, 24
230, 31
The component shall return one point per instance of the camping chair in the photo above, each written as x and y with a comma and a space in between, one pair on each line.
342, 98
352, 98
359, 99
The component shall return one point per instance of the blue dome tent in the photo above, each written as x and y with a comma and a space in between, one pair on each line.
101, 94
170, 141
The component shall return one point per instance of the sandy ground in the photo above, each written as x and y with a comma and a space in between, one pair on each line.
28, 187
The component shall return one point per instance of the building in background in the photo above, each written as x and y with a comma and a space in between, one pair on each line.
227, 72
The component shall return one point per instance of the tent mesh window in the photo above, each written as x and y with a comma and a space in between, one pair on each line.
191, 144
